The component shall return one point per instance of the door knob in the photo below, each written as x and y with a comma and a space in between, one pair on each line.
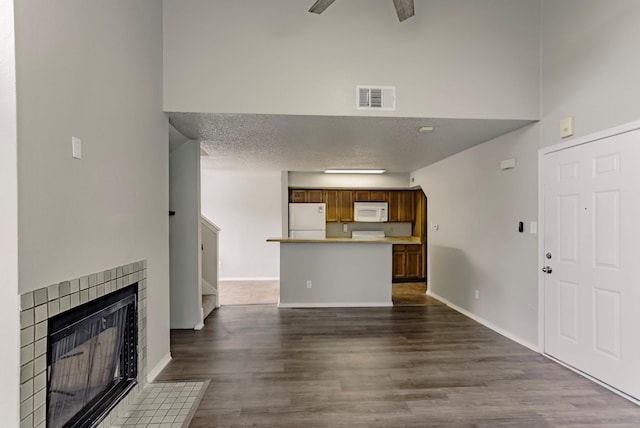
547, 269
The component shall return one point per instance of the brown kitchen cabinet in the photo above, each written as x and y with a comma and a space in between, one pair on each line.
407, 263
402, 205
361, 196
399, 262
339, 205
414, 261
378, 196
370, 196
298, 196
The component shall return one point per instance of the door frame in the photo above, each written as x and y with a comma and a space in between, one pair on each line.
579, 141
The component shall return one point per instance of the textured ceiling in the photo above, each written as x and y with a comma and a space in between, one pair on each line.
315, 143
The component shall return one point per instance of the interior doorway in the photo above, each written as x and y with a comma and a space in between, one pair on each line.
249, 292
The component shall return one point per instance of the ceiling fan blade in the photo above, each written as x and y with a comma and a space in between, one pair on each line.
320, 5
404, 9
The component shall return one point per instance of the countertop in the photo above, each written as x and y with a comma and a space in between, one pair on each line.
403, 240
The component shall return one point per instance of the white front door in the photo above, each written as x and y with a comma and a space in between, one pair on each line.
592, 255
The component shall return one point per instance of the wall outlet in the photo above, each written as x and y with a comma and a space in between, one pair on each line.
76, 148
477, 294
309, 283
345, 227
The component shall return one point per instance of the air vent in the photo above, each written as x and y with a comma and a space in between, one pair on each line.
376, 97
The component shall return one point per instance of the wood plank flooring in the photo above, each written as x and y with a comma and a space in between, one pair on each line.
409, 366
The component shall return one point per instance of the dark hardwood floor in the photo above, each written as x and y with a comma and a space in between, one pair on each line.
417, 366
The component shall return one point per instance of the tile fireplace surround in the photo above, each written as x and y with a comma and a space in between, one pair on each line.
35, 309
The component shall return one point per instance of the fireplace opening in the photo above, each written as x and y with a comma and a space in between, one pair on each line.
91, 359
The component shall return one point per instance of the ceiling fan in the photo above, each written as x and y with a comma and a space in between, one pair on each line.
404, 8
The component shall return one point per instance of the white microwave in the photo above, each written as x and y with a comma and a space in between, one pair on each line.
371, 211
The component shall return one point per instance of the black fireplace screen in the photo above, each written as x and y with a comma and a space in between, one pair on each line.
91, 359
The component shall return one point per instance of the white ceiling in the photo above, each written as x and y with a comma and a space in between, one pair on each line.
315, 143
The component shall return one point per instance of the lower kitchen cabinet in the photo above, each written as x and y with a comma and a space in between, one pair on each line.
407, 263
414, 261
399, 268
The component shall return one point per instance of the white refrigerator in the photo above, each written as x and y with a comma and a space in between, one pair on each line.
307, 221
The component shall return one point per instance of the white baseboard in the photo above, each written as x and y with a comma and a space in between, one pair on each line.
153, 373
336, 305
484, 322
198, 326
251, 278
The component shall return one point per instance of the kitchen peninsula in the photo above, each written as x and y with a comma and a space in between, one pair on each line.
337, 272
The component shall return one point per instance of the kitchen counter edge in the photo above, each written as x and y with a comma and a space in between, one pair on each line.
409, 240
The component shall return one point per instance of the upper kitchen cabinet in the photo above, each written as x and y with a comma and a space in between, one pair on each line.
402, 205
298, 196
369, 196
339, 205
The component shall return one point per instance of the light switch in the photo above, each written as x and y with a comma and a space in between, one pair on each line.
566, 127
76, 148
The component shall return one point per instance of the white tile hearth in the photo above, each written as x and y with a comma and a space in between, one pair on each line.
163, 405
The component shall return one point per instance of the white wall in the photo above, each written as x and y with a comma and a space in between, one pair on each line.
477, 207
589, 70
248, 209
320, 180
184, 236
344, 274
274, 57
590, 65
93, 69
9, 304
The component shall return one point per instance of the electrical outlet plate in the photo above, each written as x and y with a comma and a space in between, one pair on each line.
76, 148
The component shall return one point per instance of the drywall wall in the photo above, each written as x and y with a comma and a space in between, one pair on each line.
590, 65
320, 180
184, 235
9, 303
93, 69
344, 274
477, 207
274, 57
284, 203
248, 209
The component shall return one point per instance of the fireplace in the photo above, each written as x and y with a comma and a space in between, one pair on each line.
42, 314
91, 359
